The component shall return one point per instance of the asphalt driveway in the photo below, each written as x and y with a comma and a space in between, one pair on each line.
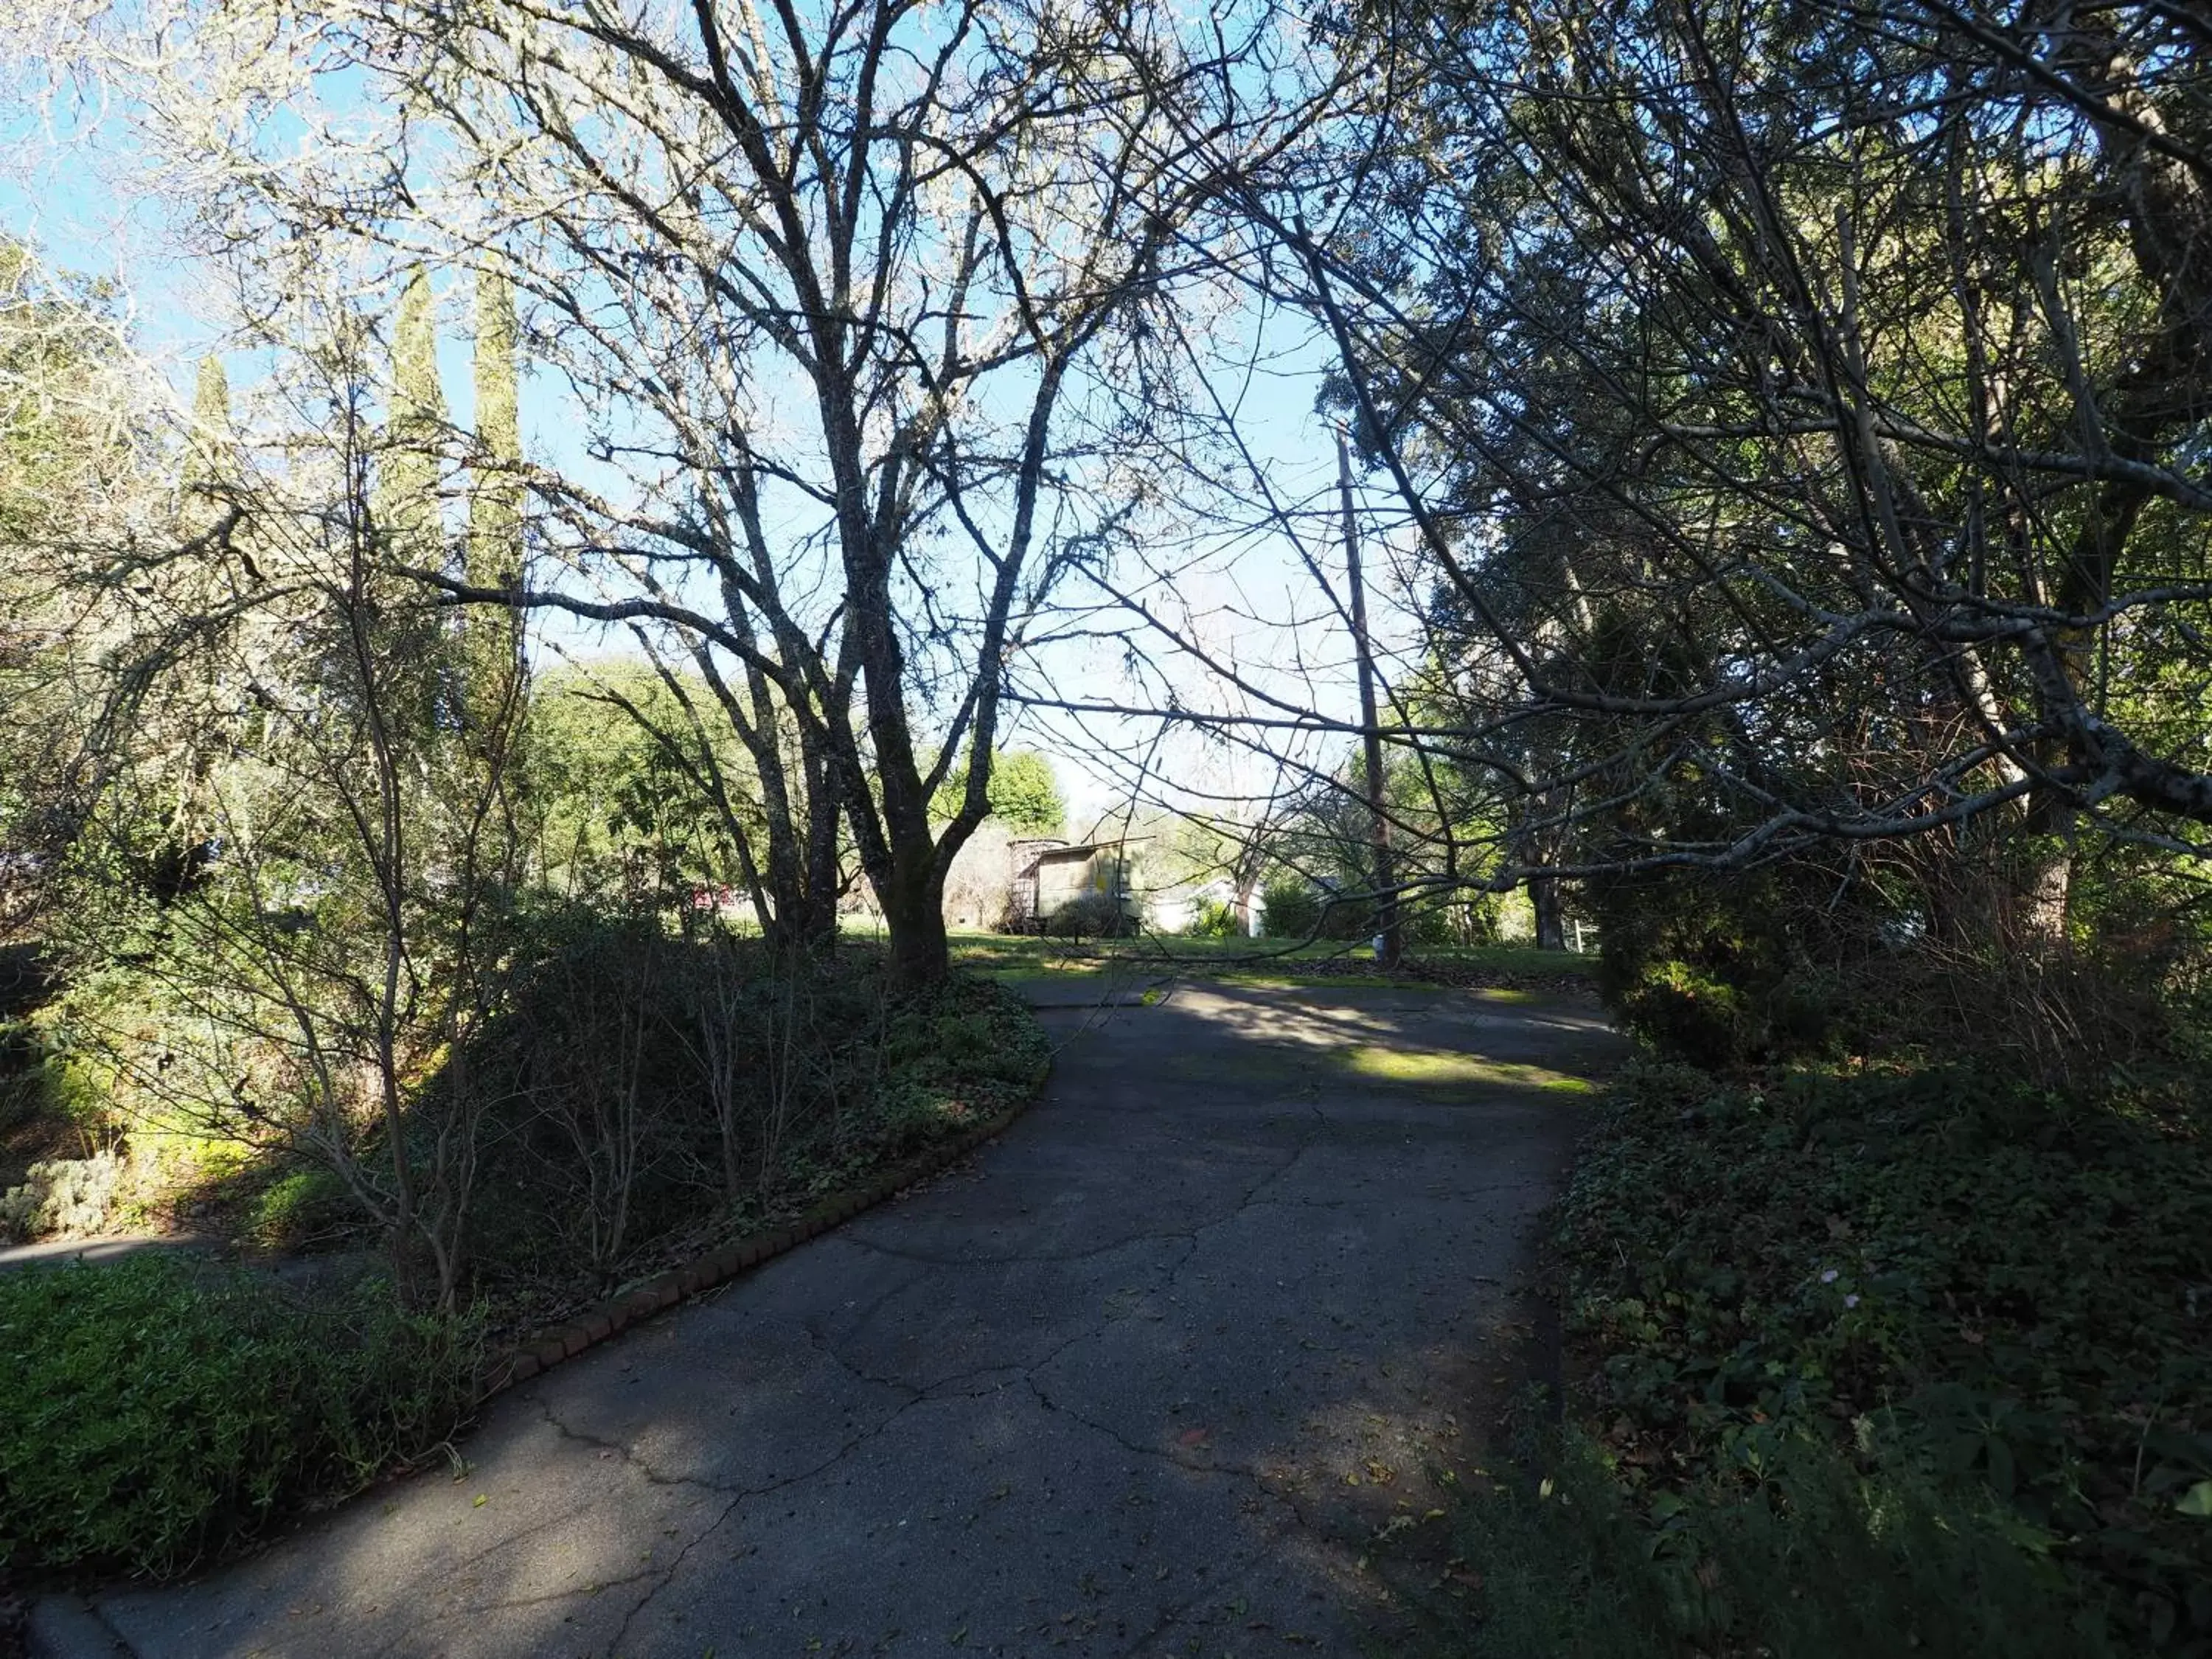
1141, 1378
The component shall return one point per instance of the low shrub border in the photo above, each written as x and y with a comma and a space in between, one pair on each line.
1861, 1360
565, 1340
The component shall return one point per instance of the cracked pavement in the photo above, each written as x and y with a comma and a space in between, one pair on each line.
1141, 1378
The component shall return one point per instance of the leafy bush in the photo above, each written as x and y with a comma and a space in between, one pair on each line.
1091, 916
1823, 1554
645, 1090
1214, 918
1714, 971
1293, 908
297, 1208
2009, 1281
70, 1196
154, 1411
1298, 908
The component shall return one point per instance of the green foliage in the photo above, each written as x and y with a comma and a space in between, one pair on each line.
495, 504
300, 1206
2007, 1281
1300, 909
407, 504
210, 419
155, 1412
1214, 918
618, 810
643, 1085
1023, 794
968, 1048
1823, 1554
1709, 969
1293, 908
492, 637
1091, 916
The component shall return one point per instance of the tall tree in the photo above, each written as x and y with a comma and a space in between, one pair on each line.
492, 656
1800, 412
408, 470
852, 302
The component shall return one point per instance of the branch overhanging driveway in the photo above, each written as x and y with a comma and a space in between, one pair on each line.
1150, 1368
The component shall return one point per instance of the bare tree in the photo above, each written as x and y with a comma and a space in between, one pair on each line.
847, 308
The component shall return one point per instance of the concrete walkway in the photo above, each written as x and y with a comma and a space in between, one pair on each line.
1141, 1380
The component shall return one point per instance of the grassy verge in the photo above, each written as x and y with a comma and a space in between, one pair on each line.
1867, 1364
1326, 961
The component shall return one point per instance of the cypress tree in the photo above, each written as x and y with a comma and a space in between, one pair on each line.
210, 437
492, 638
407, 494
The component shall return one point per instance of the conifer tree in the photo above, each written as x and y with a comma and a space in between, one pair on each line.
492, 643
210, 436
407, 493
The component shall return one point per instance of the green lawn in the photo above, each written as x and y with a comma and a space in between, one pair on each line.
1006, 953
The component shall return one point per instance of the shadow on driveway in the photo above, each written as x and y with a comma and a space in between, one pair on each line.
1141, 1378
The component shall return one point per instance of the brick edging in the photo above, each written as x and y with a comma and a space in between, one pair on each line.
550, 1346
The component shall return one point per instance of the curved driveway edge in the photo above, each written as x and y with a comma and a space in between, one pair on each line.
1147, 1372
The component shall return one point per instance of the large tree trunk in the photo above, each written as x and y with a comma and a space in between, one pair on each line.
1550, 914
2043, 878
914, 913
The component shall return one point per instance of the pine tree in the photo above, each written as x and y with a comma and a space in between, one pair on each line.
211, 399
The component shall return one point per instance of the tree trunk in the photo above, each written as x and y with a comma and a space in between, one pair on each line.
2043, 880
1550, 914
914, 913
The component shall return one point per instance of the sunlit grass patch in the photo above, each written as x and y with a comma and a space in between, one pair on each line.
1447, 1067
1245, 981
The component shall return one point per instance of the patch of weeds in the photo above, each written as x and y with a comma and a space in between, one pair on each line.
155, 1413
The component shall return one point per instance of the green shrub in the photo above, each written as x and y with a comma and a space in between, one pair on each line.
1293, 908
1825, 1554
2009, 1280
640, 1086
1716, 971
296, 1209
156, 1412
69, 1196
1214, 919
1091, 916
1298, 908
